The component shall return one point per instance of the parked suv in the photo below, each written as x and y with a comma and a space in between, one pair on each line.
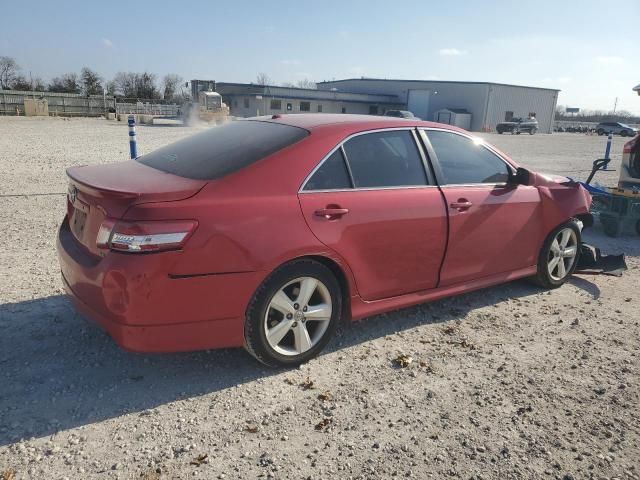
518, 125
617, 128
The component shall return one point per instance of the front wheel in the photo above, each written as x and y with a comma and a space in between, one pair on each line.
533, 131
559, 256
293, 314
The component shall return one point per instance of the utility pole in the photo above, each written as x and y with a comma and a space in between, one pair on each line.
615, 105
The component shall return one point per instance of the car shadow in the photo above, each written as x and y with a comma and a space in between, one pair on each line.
60, 371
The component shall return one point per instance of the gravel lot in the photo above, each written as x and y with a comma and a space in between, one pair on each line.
506, 383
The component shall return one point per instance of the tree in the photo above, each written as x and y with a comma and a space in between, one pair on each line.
8, 72
91, 82
170, 84
67, 83
20, 83
111, 88
136, 85
263, 79
306, 83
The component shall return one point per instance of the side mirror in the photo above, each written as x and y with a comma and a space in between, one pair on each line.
521, 177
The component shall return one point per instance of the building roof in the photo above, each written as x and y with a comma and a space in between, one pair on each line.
270, 91
432, 81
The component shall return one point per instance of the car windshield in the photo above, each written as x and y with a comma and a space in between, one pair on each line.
222, 150
624, 125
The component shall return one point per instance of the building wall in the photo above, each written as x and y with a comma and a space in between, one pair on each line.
522, 102
486, 102
236, 103
470, 96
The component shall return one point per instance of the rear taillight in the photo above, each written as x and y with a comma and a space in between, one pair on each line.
631, 144
140, 237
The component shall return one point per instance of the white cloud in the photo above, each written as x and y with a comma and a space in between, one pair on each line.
609, 59
106, 43
451, 52
290, 62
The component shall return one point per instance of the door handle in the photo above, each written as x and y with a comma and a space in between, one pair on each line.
461, 205
331, 213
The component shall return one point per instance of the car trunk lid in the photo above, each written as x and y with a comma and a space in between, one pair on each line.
98, 192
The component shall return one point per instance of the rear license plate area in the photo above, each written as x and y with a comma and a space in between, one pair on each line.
78, 221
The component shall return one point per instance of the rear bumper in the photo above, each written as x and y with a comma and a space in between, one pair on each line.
133, 298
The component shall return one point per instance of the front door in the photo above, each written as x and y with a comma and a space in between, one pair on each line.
494, 226
373, 204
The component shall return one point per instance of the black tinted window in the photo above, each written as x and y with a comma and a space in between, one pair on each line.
332, 174
222, 150
464, 161
385, 159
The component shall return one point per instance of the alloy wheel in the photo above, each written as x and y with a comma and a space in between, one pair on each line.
562, 254
298, 316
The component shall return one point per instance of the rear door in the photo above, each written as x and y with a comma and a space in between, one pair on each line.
494, 226
374, 203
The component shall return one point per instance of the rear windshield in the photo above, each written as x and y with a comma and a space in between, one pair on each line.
222, 150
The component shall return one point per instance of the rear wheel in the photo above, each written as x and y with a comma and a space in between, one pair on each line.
293, 314
559, 256
600, 131
533, 131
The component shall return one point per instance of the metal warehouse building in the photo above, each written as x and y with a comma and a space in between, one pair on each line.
488, 103
248, 100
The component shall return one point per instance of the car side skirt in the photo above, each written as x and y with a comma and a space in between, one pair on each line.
361, 309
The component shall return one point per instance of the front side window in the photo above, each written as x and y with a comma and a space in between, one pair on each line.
464, 161
332, 174
305, 106
385, 159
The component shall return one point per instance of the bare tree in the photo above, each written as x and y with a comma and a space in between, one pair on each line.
8, 71
306, 83
263, 79
91, 82
170, 84
67, 83
19, 82
136, 85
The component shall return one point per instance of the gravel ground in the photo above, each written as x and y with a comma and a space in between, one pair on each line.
507, 383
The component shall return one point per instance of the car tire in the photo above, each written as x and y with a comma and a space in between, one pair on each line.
533, 131
600, 132
279, 339
558, 256
499, 130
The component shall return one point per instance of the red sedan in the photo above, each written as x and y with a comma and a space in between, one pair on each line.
268, 232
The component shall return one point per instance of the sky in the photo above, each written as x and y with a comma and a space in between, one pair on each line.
588, 50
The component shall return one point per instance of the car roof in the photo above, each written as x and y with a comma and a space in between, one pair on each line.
348, 122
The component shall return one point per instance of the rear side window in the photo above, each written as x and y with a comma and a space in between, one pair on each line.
464, 161
222, 150
332, 174
385, 159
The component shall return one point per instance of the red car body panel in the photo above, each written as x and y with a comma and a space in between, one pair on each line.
394, 248
481, 237
394, 240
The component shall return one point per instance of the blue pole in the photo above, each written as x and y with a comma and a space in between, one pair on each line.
133, 142
608, 149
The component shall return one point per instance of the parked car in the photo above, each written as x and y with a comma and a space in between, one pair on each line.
518, 125
268, 233
400, 114
617, 128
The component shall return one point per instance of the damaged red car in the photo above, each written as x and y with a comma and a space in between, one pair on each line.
268, 232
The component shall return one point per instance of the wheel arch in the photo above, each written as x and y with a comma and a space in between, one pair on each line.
340, 274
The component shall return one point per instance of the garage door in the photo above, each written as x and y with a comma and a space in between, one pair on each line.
418, 103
